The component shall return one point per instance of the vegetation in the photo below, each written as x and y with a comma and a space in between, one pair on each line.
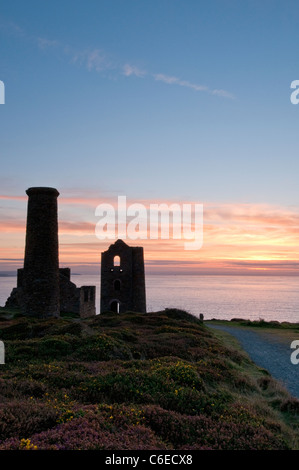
284, 332
261, 323
157, 381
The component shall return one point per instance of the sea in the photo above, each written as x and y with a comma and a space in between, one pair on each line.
215, 296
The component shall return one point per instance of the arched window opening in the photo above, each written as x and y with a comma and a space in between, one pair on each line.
116, 261
117, 284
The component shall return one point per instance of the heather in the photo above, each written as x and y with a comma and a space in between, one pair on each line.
132, 381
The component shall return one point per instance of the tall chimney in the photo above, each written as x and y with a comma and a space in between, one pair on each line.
41, 264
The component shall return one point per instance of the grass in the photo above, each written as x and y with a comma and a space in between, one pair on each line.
283, 332
161, 380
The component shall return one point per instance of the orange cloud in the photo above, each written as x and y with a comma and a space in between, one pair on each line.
13, 198
237, 238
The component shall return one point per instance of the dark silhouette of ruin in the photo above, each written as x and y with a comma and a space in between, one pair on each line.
43, 290
123, 279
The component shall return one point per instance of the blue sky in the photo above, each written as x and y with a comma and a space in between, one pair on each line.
157, 100
169, 98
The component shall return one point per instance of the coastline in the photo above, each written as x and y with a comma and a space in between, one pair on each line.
268, 344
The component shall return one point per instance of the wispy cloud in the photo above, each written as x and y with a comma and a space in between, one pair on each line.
15, 198
95, 59
44, 43
90, 58
170, 80
238, 238
11, 29
129, 70
223, 93
176, 81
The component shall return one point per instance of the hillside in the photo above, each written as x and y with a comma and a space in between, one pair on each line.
132, 381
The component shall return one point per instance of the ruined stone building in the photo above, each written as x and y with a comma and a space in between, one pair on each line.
123, 279
43, 289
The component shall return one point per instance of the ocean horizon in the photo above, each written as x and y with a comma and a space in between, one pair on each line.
215, 296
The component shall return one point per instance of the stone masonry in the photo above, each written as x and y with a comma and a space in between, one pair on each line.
123, 279
43, 290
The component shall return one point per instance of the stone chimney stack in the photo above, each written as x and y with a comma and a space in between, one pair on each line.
41, 264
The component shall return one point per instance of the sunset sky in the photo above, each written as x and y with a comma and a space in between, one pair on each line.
163, 101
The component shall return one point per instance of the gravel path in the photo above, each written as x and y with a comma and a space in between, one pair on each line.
269, 353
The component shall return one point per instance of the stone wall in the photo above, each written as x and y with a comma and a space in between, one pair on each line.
73, 299
41, 276
87, 301
43, 289
123, 285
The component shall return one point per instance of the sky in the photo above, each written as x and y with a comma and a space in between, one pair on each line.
169, 101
